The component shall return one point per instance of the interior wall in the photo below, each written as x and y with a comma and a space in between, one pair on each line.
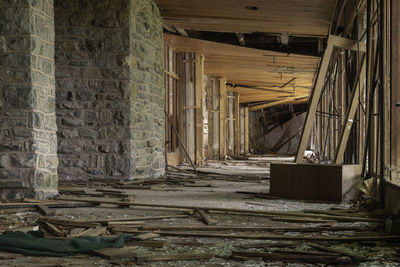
109, 84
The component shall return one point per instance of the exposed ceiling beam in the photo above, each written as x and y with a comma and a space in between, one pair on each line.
274, 103
181, 31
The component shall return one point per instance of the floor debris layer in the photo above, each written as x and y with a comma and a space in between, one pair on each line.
221, 216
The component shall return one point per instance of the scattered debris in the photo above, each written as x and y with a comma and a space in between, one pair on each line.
176, 231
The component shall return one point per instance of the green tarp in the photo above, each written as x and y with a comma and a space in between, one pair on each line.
34, 244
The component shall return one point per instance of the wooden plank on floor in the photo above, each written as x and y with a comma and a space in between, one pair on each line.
175, 257
205, 217
117, 253
45, 210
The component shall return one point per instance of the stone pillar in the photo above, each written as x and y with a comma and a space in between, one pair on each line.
28, 143
147, 104
110, 92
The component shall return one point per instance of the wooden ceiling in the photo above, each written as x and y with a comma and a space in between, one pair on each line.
295, 17
277, 76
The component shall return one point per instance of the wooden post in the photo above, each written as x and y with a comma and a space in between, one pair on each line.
215, 116
237, 125
242, 131
210, 119
199, 81
180, 102
189, 107
395, 92
246, 131
231, 124
386, 86
351, 113
222, 117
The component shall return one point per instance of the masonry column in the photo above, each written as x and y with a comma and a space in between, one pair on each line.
28, 142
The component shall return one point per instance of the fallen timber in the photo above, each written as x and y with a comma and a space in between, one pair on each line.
231, 210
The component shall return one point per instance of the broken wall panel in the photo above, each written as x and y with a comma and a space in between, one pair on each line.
276, 130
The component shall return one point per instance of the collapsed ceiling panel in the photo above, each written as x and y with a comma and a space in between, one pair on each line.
294, 17
258, 75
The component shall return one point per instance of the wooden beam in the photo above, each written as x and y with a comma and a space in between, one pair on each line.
347, 43
170, 29
210, 119
246, 131
222, 117
199, 80
181, 31
333, 41
351, 113
189, 92
180, 102
237, 125
172, 74
215, 115
316, 95
274, 103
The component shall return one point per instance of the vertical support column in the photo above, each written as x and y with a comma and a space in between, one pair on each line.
242, 131
246, 131
395, 92
237, 125
386, 88
189, 88
180, 103
222, 117
231, 125
209, 98
215, 118
199, 109
28, 141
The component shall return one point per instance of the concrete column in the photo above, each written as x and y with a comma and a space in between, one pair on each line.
28, 142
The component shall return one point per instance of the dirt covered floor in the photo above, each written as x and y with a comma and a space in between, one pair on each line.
223, 216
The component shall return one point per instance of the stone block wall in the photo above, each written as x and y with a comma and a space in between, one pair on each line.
28, 143
109, 85
147, 117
